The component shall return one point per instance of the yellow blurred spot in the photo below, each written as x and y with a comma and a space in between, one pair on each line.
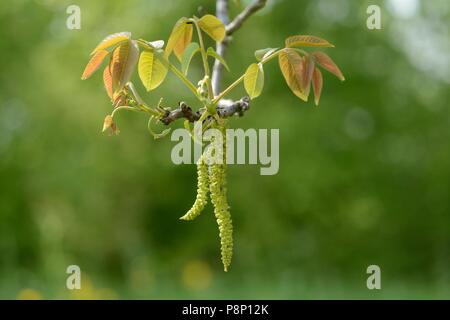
197, 275
89, 292
140, 275
29, 294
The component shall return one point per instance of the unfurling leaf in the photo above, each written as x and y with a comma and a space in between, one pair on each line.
107, 81
152, 69
112, 40
213, 27
212, 53
180, 38
307, 41
108, 123
254, 80
157, 44
264, 53
122, 64
188, 54
292, 67
325, 62
94, 63
317, 82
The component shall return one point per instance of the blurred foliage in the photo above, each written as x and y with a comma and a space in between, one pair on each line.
364, 178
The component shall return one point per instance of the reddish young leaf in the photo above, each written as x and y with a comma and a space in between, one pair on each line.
291, 65
122, 64
112, 40
107, 81
184, 40
94, 63
325, 62
307, 41
317, 83
307, 74
180, 38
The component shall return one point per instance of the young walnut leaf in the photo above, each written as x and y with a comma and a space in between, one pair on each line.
122, 64
107, 81
325, 62
307, 41
213, 27
317, 83
254, 80
180, 38
212, 53
108, 123
152, 69
188, 54
264, 53
94, 63
112, 40
292, 67
157, 44
307, 74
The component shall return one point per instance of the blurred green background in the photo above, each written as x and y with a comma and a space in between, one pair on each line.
364, 178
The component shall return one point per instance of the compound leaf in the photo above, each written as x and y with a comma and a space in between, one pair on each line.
292, 66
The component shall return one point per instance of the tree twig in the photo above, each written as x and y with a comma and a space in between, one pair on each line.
225, 109
244, 15
230, 27
222, 14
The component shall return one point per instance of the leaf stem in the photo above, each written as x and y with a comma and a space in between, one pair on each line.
185, 80
240, 79
205, 59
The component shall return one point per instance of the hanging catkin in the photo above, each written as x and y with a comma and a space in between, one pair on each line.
202, 191
217, 187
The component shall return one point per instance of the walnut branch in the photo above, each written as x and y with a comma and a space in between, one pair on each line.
230, 27
244, 15
225, 109
222, 14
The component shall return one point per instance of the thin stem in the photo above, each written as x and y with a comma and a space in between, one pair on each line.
205, 60
241, 78
125, 108
227, 90
185, 80
244, 15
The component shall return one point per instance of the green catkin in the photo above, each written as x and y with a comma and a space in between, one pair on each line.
202, 191
217, 187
